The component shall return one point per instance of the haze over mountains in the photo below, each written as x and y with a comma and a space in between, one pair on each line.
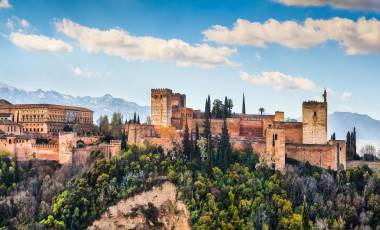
104, 105
339, 122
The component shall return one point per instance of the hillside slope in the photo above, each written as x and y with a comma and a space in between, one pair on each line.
157, 208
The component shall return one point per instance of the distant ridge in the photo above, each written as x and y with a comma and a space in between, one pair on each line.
104, 105
342, 122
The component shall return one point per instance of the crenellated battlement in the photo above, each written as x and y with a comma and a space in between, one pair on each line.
45, 146
161, 90
313, 103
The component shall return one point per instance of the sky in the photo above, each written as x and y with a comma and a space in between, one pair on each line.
279, 53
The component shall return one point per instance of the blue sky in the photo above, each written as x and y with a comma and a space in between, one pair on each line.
125, 47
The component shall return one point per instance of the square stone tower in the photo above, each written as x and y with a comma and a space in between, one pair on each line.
314, 119
161, 107
275, 147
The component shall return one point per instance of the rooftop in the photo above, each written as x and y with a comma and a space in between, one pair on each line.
50, 106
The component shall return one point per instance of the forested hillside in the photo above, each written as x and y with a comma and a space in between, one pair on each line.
244, 195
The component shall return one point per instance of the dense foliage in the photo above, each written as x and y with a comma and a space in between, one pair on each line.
9, 174
107, 182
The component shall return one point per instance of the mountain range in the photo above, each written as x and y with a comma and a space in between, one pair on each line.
339, 122
104, 105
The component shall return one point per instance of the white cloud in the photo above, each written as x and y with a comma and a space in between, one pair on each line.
357, 37
10, 24
4, 4
370, 5
18, 24
280, 81
346, 95
120, 43
85, 72
39, 43
77, 71
24, 23
258, 56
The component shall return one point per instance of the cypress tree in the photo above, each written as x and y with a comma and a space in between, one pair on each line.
224, 150
134, 118
243, 106
225, 107
305, 215
207, 122
186, 142
353, 143
123, 142
196, 149
348, 146
138, 119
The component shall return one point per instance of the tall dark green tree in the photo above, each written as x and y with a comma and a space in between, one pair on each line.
243, 106
116, 125
228, 105
124, 146
224, 148
348, 146
225, 108
134, 121
138, 119
353, 143
305, 225
196, 148
217, 109
207, 121
186, 142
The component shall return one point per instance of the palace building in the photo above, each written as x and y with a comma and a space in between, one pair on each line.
46, 119
270, 136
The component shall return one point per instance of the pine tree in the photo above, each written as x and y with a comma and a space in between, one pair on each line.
243, 106
186, 143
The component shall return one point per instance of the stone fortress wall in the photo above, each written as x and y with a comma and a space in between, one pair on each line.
270, 136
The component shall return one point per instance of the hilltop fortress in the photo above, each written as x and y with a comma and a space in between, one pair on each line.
270, 136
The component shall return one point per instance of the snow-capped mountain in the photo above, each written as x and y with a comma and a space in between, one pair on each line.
105, 105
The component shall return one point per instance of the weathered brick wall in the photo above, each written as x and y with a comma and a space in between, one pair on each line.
314, 118
251, 127
82, 155
293, 132
325, 156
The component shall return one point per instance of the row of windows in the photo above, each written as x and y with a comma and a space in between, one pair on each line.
12, 128
16, 141
33, 130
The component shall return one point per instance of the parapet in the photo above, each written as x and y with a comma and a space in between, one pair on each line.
313, 103
161, 91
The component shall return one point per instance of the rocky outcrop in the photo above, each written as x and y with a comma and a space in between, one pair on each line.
157, 208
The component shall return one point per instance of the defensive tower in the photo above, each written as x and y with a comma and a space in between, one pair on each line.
314, 119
